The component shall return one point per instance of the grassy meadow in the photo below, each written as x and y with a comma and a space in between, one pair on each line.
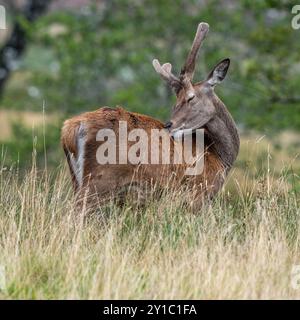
244, 245
79, 55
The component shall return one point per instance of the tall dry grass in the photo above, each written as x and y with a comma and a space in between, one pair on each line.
244, 245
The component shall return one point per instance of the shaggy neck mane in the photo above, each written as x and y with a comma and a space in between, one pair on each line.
222, 136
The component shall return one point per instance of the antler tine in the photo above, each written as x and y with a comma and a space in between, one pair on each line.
189, 66
165, 71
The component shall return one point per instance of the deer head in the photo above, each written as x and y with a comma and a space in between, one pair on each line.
195, 105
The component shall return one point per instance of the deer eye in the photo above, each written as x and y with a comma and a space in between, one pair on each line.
190, 98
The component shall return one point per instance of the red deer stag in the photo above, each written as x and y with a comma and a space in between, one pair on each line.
197, 107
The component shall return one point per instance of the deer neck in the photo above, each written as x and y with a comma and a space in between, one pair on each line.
223, 138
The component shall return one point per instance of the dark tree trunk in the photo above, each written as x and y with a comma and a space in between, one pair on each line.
16, 44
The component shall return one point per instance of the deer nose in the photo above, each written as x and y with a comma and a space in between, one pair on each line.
168, 125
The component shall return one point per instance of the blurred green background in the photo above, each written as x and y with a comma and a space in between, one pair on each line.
80, 55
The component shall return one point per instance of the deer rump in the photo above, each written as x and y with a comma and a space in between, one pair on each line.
96, 183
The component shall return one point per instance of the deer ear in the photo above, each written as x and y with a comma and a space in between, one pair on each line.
218, 73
